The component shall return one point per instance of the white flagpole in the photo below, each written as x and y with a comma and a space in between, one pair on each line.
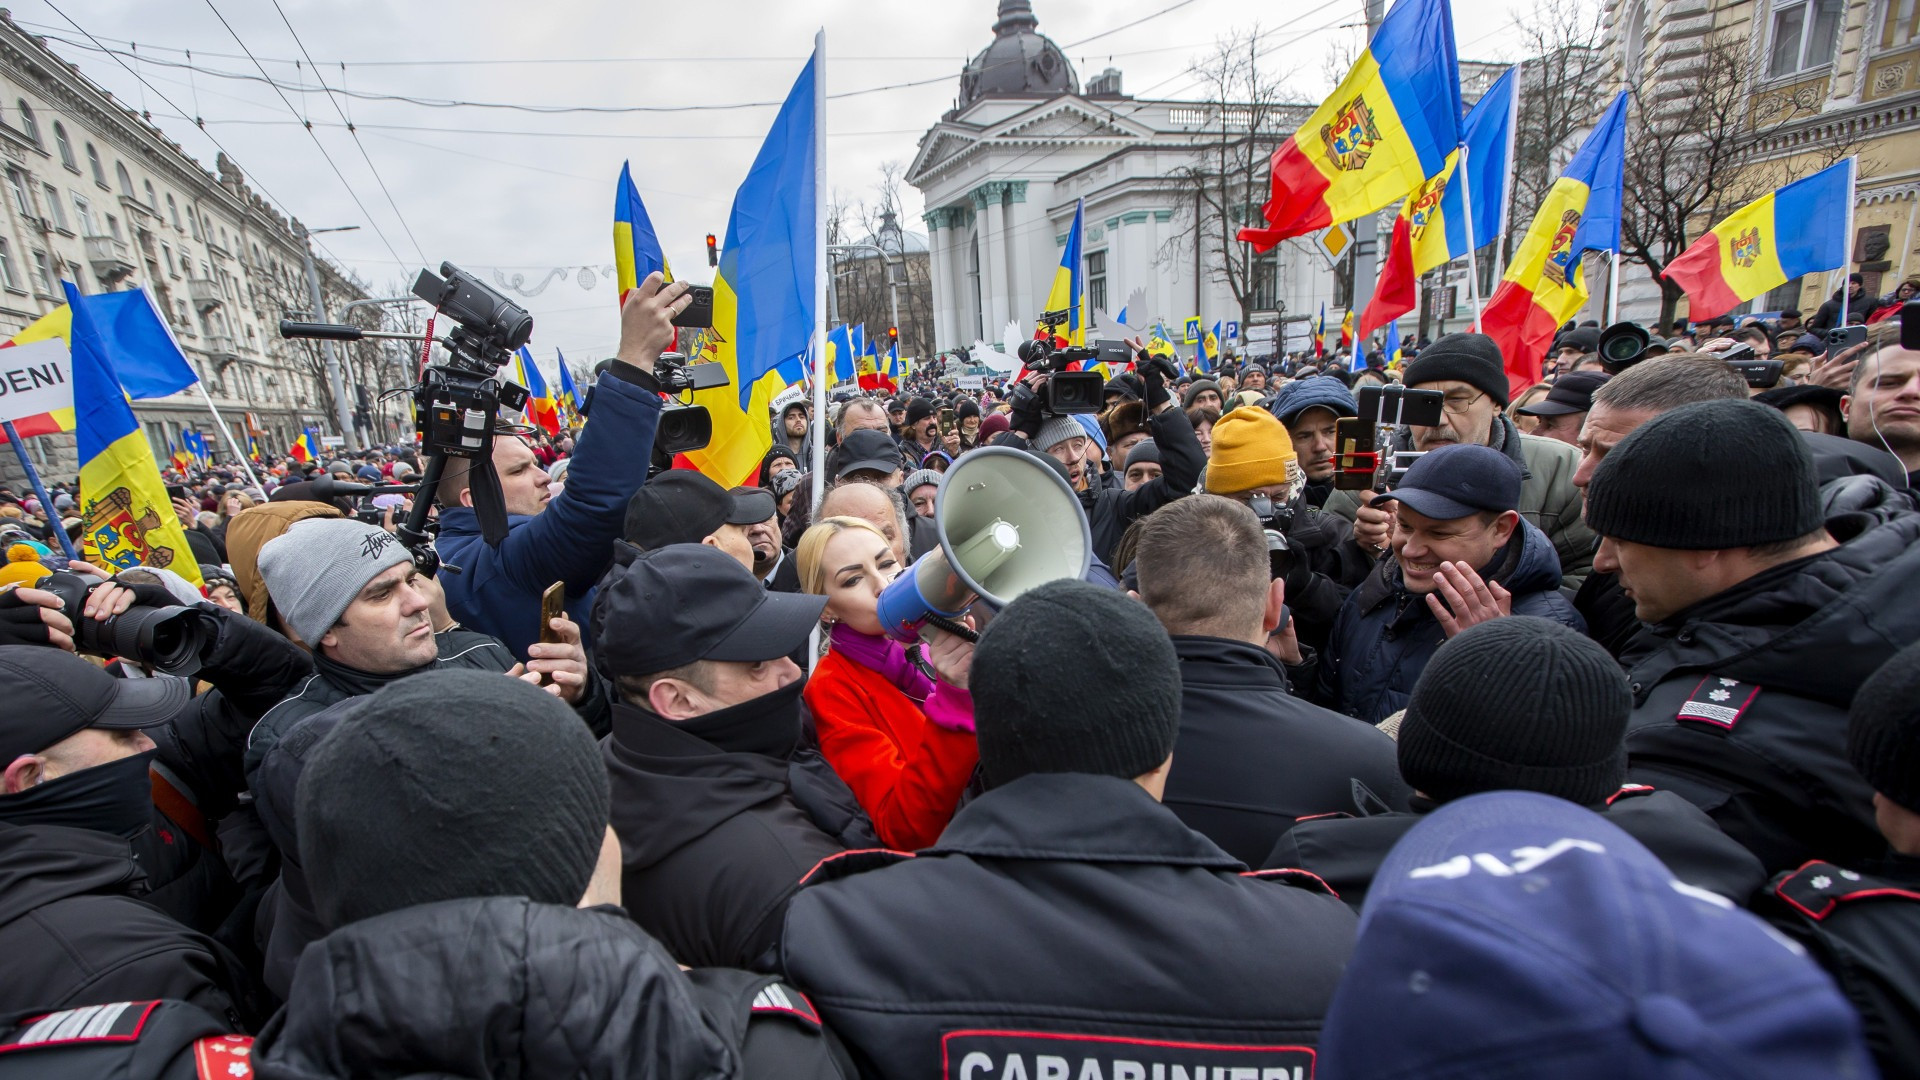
820, 285
224, 430
1506, 189
1463, 169
1613, 288
1846, 251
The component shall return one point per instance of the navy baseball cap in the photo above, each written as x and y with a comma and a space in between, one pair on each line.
659, 610
52, 694
1571, 393
1515, 934
1457, 480
868, 449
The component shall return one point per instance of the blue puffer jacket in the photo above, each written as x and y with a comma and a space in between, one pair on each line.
1384, 635
498, 589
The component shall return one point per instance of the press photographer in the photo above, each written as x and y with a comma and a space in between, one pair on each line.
568, 538
1042, 420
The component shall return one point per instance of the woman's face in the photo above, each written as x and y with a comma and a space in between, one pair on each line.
785, 504
970, 426
1204, 432
858, 565
224, 596
1906, 290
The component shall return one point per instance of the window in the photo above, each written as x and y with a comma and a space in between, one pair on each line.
193, 219
113, 226
84, 213
54, 209
17, 185
66, 148
126, 181
1804, 35
167, 254
27, 125
153, 204
93, 162
1902, 24
43, 273
173, 210
79, 282
1096, 281
6, 267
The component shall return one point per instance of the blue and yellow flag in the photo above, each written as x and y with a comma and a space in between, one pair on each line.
764, 290
840, 353
129, 519
1392, 349
636, 250
540, 406
569, 399
1069, 289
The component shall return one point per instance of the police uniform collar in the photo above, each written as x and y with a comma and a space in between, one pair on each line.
1078, 817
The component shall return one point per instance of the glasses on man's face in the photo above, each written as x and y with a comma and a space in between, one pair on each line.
1460, 401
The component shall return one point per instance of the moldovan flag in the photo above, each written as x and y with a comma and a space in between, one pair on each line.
1390, 125
569, 396
1798, 229
540, 408
1346, 330
130, 521
636, 250
840, 353
1543, 286
145, 357
1070, 284
763, 292
1432, 227
1320, 333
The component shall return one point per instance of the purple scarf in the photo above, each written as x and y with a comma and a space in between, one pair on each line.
885, 656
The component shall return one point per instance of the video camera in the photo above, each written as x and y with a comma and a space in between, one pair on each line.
684, 426
1623, 345
1067, 391
1365, 459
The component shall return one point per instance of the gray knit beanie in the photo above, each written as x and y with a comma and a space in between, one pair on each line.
920, 477
448, 785
316, 568
1113, 711
1055, 431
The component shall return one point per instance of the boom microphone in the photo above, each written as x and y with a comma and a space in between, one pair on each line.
1007, 523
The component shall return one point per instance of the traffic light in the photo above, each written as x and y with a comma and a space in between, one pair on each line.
893, 337
713, 251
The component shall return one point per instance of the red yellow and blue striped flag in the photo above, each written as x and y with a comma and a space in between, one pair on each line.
1069, 289
569, 399
1320, 333
1390, 125
764, 290
1543, 286
1432, 226
1794, 230
129, 519
636, 250
540, 407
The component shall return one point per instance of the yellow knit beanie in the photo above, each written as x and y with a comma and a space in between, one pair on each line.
1250, 450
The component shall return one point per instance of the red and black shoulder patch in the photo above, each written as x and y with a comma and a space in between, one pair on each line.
1717, 703
779, 999
1628, 791
1818, 889
120, 1022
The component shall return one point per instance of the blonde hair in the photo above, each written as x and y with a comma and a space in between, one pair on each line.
813, 547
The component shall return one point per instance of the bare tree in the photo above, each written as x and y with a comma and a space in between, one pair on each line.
862, 280
1561, 89
1697, 151
1223, 186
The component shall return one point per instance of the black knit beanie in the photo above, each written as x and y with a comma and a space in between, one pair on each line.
1473, 359
917, 410
967, 407
1883, 729
1518, 703
1074, 678
448, 785
1712, 475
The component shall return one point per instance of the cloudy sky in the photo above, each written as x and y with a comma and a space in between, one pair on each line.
523, 190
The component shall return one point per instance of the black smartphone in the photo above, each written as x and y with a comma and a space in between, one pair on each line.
1910, 325
699, 310
1842, 338
177, 491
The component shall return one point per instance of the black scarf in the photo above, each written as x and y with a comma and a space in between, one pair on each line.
768, 725
113, 798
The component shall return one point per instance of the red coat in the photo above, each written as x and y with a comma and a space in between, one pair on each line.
907, 771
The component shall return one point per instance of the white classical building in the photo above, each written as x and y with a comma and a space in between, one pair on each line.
1002, 172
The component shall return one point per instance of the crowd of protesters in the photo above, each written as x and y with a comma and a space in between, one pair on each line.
1587, 746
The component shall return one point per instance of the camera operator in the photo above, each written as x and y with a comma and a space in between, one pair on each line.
353, 595
1111, 509
570, 537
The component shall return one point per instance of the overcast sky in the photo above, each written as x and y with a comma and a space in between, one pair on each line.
522, 192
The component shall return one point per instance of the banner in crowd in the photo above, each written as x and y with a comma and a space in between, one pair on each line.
1543, 286
1795, 230
1390, 125
1432, 228
130, 521
147, 360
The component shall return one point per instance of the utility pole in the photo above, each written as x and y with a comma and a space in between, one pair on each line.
343, 410
1366, 232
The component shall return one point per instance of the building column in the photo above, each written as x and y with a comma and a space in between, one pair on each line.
993, 255
1021, 226
941, 275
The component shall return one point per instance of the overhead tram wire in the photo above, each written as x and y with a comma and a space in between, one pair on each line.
331, 164
368, 158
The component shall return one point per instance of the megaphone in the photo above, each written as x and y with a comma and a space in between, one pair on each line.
1007, 523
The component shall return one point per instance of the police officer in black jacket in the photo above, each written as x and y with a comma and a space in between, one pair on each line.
1252, 756
1525, 704
719, 808
1862, 922
1763, 619
1066, 923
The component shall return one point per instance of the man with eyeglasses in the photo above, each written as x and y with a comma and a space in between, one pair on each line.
1467, 368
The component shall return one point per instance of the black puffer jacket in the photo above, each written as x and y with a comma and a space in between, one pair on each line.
492, 987
1110, 510
73, 931
1347, 851
1740, 701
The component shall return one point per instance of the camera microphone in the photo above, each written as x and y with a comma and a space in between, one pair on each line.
326, 487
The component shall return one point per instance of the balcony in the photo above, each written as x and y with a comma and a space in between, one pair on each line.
110, 258
205, 293
221, 348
